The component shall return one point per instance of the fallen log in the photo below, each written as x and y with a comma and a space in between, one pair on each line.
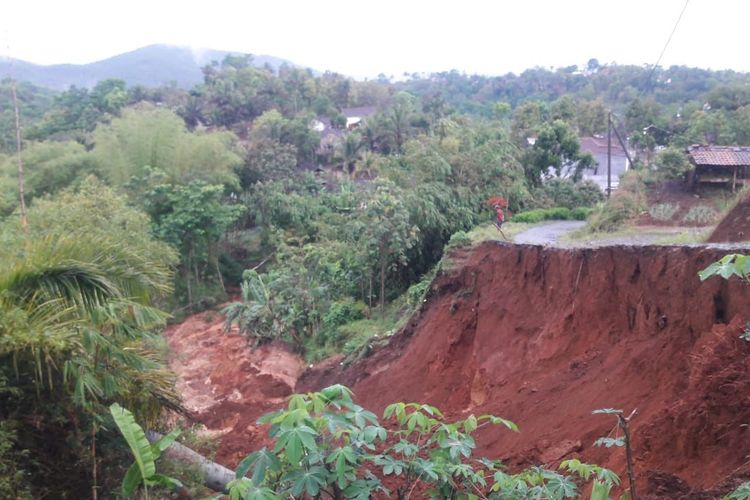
215, 476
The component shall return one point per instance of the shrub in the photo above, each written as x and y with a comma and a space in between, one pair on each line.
417, 293
663, 211
327, 446
532, 216
333, 333
672, 164
342, 312
458, 240
541, 214
581, 213
612, 215
626, 203
700, 214
566, 193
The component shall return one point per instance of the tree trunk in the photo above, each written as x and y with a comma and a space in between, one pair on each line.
186, 276
94, 486
213, 255
215, 476
382, 276
369, 296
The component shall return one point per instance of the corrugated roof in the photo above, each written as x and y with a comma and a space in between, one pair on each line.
723, 156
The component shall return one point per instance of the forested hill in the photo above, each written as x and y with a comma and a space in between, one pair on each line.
151, 66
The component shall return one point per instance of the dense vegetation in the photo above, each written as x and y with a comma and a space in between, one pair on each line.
145, 200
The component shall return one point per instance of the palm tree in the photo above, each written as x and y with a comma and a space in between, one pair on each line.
75, 330
350, 151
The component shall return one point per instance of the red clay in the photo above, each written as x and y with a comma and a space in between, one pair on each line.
735, 226
226, 385
545, 336
541, 336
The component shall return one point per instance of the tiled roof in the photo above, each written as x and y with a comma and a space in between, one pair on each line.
724, 156
598, 146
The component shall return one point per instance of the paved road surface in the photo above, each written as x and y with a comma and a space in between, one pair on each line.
553, 233
548, 234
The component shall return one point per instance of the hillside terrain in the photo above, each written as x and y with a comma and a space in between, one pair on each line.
150, 66
345, 228
544, 336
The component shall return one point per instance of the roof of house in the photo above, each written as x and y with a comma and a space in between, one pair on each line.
723, 156
359, 112
598, 146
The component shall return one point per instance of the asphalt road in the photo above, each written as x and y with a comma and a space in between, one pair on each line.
553, 233
548, 234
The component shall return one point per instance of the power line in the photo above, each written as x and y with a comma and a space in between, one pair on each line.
663, 50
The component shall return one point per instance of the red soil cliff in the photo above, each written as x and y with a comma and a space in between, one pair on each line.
544, 336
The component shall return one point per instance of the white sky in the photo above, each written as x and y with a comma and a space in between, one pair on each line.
389, 36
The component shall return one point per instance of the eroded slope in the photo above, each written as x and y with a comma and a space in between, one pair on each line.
544, 336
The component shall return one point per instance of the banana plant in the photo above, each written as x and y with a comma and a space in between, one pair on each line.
143, 470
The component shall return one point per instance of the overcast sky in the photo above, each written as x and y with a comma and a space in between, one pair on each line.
390, 36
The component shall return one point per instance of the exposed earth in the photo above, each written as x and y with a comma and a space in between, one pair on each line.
225, 385
539, 335
736, 224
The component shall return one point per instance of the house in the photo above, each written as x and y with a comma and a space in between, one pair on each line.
597, 147
354, 116
331, 135
727, 165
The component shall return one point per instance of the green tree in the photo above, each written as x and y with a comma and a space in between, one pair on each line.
271, 125
350, 151
77, 331
556, 148
672, 163
526, 119
193, 218
157, 138
49, 166
399, 118
387, 233
267, 160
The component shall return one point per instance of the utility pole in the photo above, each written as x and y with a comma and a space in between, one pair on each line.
21, 180
622, 143
609, 154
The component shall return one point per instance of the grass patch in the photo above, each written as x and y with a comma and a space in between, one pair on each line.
687, 236
640, 235
558, 213
625, 204
663, 211
700, 214
488, 232
352, 337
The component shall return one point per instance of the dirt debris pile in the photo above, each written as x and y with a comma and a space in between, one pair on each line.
544, 336
226, 385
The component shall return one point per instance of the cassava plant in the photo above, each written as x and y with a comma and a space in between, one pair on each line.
623, 423
327, 446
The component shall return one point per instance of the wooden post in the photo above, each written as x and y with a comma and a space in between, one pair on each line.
21, 180
609, 155
734, 179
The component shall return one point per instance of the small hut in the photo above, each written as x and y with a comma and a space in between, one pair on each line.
722, 165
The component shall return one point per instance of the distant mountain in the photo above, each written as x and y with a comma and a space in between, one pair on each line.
151, 66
